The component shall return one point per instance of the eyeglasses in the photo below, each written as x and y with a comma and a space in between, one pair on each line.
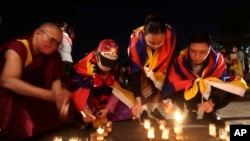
51, 39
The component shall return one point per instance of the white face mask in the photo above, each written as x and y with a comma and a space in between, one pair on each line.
155, 41
154, 46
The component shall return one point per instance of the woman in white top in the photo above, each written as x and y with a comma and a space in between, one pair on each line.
66, 46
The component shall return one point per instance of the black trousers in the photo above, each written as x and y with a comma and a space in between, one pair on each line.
222, 99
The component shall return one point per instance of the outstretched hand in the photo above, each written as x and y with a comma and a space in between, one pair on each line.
87, 115
136, 110
62, 98
167, 105
207, 106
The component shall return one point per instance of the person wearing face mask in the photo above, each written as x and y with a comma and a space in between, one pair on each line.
93, 80
150, 49
198, 78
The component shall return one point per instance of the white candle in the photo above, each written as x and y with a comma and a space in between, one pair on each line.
146, 123
99, 138
57, 138
178, 129
222, 133
165, 134
178, 116
73, 139
162, 124
212, 130
227, 126
100, 130
151, 133
109, 126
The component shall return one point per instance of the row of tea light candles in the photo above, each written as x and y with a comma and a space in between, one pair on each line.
224, 133
99, 135
165, 130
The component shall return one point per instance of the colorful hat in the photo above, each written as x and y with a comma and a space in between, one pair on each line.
108, 51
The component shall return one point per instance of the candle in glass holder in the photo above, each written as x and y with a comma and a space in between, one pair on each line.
99, 138
178, 117
222, 133
100, 130
109, 126
212, 129
151, 133
162, 124
146, 123
178, 129
57, 138
165, 134
227, 126
100, 134
179, 137
73, 139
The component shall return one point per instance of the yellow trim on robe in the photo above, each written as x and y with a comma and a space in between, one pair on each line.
29, 55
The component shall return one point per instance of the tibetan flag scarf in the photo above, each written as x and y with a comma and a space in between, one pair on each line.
181, 77
142, 58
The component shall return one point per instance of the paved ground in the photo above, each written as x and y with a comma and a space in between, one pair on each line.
237, 111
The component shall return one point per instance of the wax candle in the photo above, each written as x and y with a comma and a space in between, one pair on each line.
212, 130
73, 139
165, 134
178, 129
227, 126
146, 123
162, 124
109, 126
178, 117
99, 138
222, 133
57, 138
100, 130
151, 133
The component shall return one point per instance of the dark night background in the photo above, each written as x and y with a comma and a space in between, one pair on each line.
94, 21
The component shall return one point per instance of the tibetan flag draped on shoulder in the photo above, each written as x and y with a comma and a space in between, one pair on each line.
81, 80
141, 57
181, 77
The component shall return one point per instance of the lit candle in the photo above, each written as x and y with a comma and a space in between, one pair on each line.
146, 123
151, 133
178, 129
162, 124
100, 134
100, 130
57, 138
222, 133
178, 117
179, 137
212, 130
109, 126
73, 139
227, 126
165, 134
99, 138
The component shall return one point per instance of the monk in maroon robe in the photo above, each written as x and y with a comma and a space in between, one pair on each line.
34, 94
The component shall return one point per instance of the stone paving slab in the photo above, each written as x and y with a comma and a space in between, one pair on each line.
236, 109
